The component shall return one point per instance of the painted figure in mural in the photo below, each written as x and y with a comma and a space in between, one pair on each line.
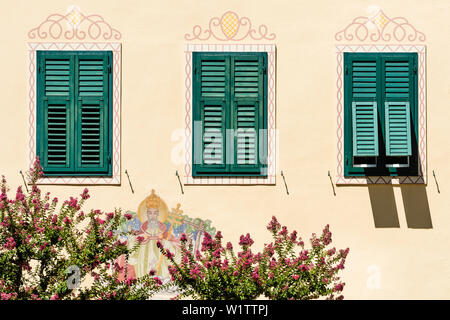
154, 222
148, 257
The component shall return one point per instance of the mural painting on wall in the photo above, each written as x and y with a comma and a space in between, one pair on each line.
154, 222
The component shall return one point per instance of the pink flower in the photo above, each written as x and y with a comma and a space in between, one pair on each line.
218, 235
295, 276
207, 241
128, 216
245, 241
274, 225
5, 296
110, 215
339, 287
183, 238
85, 195
55, 297
67, 220
10, 243
229, 246
140, 239
19, 194
43, 246
293, 236
255, 274
159, 244
152, 272
130, 281
283, 231
109, 234
158, 281
216, 254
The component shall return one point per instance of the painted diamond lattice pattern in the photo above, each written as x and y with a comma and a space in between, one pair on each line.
230, 24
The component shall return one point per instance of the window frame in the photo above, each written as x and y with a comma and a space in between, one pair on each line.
380, 170
231, 169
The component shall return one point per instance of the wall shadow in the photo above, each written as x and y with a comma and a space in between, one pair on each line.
417, 209
384, 210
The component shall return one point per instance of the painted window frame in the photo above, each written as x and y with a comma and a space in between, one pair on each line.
116, 48
380, 169
230, 168
75, 121
421, 177
272, 152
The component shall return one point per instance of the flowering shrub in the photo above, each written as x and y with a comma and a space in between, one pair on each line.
45, 252
215, 272
279, 272
308, 274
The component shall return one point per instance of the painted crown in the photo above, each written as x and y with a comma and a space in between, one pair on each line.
153, 201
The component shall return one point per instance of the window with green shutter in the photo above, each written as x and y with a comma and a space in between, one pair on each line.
74, 113
229, 114
380, 121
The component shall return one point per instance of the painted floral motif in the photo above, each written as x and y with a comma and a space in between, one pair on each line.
230, 27
74, 25
380, 27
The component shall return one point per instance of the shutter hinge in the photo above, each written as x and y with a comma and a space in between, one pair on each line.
109, 69
109, 158
39, 69
346, 69
195, 70
264, 70
415, 70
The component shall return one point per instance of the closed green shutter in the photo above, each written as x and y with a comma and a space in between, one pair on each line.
364, 107
229, 111
210, 120
398, 80
365, 129
92, 113
55, 115
247, 111
73, 119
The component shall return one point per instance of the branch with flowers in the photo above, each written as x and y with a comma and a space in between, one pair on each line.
283, 270
40, 241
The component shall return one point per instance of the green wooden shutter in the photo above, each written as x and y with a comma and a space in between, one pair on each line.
74, 114
247, 113
92, 101
211, 96
55, 112
398, 84
398, 129
365, 129
364, 112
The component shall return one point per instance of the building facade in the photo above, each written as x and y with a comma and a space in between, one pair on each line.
314, 112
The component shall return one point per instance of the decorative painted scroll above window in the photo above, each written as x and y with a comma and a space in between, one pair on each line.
379, 27
74, 25
230, 27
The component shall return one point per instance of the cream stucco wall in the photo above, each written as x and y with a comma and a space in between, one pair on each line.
400, 234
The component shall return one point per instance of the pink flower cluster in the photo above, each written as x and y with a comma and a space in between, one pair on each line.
10, 243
